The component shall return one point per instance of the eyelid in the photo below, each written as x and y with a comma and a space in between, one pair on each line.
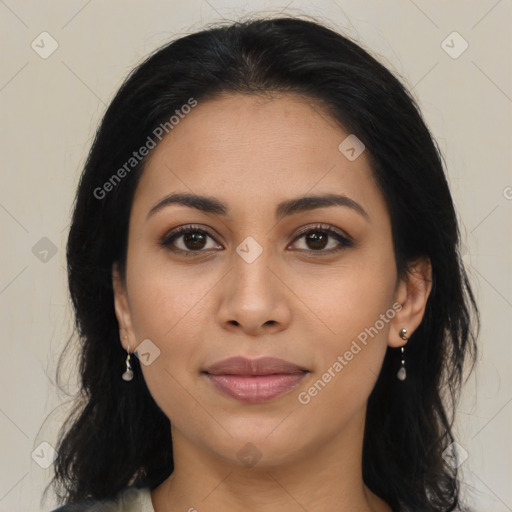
327, 228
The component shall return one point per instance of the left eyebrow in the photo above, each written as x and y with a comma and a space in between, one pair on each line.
284, 209
305, 203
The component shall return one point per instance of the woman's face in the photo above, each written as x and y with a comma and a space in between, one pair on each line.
256, 275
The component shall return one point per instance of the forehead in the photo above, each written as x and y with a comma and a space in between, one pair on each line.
254, 150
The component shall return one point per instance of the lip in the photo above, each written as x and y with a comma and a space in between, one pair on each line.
262, 366
254, 380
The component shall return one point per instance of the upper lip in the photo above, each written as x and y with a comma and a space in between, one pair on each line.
262, 366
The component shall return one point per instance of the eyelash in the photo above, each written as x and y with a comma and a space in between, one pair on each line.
169, 238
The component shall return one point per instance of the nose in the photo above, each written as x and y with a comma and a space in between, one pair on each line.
253, 299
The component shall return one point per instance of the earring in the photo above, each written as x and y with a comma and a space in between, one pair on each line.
402, 374
128, 374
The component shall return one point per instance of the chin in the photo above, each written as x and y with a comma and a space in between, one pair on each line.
261, 446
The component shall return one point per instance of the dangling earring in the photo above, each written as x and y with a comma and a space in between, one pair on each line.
402, 374
128, 374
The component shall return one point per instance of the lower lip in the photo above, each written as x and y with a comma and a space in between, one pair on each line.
257, 388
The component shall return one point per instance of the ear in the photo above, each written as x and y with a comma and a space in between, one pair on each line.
122, 309
412, 292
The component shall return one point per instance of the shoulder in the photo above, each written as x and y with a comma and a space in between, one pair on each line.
131, 499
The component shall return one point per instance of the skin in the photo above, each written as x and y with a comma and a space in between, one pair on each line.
294, 302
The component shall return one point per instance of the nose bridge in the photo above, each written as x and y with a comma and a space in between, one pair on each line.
250, 270
251, 296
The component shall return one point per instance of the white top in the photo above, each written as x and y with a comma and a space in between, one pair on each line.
136, 500
130, 499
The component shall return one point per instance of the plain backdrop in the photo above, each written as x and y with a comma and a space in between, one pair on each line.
51, 105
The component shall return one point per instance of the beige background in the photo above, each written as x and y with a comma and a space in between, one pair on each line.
51, 107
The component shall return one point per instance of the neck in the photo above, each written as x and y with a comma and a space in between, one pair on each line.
325, 478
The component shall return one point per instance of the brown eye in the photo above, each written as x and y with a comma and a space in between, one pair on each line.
317, 240
188, 239
324, 240
194, 240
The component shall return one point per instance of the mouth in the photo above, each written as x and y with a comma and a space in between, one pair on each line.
254, 380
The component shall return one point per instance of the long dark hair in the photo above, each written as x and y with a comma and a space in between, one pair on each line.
117, 436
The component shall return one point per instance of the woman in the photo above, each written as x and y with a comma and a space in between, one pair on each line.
264, 218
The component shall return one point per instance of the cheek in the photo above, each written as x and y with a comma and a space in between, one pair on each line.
168, 307
350, 298
165, 299
170, 320
355, 309
347, 365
